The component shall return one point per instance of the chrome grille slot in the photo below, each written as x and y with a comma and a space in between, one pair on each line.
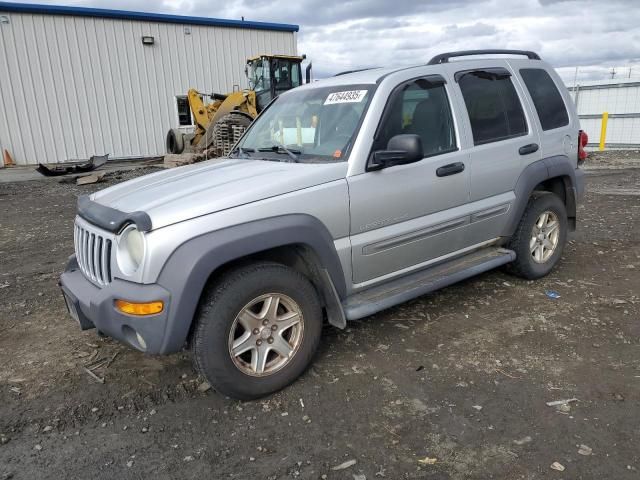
93, 252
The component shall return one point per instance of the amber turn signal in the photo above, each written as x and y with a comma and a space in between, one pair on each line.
130, 308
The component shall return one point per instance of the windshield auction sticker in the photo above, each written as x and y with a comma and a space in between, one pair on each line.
350, 96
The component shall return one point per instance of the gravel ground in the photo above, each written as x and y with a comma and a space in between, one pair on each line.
449, 386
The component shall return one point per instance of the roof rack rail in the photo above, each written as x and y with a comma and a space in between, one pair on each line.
444, 57
355, 71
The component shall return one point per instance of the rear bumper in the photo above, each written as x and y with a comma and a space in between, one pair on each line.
95, 308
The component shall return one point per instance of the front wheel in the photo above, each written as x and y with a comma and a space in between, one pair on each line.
257, 331
540, 236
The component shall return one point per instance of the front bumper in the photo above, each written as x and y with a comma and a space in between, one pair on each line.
95, 308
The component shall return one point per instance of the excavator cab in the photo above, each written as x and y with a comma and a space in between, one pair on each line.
270, 75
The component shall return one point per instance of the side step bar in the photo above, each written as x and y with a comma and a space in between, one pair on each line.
420, 283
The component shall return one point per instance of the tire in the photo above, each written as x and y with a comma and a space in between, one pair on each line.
219, 322
175, 141
534, 264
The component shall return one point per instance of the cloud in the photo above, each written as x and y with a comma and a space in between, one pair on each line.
344, 34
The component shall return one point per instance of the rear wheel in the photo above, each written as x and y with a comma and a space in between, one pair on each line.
257, 330
540, 236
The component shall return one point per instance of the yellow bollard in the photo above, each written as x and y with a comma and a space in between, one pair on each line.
603, 130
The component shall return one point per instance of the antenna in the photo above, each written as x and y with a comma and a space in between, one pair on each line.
613, 72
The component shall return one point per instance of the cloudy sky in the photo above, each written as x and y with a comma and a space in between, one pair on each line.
344, 34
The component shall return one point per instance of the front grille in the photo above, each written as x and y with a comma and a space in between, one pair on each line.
93, 253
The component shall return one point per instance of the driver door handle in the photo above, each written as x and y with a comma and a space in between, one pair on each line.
450, 169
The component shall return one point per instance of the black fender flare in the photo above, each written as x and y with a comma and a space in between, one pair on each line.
558, 166
189, 267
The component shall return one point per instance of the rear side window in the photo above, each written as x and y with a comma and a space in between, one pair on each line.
493, 105
546, 98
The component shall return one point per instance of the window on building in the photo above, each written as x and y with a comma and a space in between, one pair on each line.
495, 111
546, 98
419, 107
184, 112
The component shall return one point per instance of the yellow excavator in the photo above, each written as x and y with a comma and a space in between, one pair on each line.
220, 123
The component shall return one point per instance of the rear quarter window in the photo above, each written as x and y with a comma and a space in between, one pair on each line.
546, 98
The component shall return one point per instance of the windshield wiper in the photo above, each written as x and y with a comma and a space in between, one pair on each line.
280, 148
242, 151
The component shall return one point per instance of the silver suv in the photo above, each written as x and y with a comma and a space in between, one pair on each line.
345, 197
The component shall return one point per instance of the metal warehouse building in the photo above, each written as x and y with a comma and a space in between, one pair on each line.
620, 98
76, 82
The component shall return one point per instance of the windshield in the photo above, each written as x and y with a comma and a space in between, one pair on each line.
313, 125
258, 74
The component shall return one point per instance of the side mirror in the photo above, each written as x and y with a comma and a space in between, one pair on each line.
401, 149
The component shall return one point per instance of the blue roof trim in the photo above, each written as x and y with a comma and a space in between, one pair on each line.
142, 16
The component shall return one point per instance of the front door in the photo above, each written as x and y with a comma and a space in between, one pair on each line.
404, 216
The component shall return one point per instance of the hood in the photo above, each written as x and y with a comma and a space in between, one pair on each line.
182, 193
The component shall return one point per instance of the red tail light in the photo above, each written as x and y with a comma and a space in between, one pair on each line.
583, 139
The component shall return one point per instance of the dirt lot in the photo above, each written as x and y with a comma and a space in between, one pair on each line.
452, 385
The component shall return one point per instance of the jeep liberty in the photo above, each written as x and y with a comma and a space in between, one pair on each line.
345, 197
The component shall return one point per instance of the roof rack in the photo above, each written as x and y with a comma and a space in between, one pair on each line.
444, 57
355, 71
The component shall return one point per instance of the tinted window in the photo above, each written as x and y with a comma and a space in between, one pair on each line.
546, 98
422, 108
494, 108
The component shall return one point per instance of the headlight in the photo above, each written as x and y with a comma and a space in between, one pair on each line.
130, 252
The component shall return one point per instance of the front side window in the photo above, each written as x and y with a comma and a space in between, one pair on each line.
419, 107
546, 98
495, 111
315, 125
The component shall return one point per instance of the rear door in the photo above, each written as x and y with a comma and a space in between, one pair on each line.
557, 135
504, 138
406, 215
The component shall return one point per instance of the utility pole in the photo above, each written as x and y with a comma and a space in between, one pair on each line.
613, 72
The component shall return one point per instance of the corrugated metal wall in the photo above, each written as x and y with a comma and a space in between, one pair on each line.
72, 87
621, 99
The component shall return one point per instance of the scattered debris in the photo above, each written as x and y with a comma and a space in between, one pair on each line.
427, 461
585, 450
93, 375
555, 403
345, 465
93, 178
178, 160
359, 476
552, 294
96, 161
618, 397
523, 440
204, 387
188, 458
4, 285
557, 466
477, 407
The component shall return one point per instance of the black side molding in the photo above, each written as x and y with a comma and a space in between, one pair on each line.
110, 219
444, 57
